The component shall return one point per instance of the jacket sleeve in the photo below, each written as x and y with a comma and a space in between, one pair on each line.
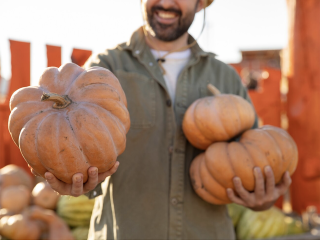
100, 60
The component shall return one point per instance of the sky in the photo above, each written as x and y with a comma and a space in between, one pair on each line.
231, 26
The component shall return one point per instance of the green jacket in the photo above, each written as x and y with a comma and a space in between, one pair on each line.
150, 196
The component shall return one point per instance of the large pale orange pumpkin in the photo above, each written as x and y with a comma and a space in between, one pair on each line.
212, 172
74, 119
217, 118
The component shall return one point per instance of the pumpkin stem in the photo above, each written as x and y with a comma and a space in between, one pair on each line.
213, 89
60, 101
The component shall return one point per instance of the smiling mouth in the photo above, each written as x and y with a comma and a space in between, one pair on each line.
166, 14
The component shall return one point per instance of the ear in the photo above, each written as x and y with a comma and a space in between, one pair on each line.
201, 5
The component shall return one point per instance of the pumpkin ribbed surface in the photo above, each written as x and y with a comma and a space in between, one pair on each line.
74, 119
268, 224
80, 233
217, 118
212, 172
75, 211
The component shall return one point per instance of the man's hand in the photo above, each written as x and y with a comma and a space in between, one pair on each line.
77, 187
265, 193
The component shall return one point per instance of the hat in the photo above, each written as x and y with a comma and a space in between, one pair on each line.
209, 2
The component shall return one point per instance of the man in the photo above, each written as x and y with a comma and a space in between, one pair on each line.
150, 196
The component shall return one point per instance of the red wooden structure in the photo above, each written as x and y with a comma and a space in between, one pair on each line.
53, 56
303, 100
80, 56
20, 77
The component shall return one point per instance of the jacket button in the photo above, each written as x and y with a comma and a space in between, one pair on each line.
169, 103
174, 201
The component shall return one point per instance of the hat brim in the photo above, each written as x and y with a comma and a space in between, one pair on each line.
209, 2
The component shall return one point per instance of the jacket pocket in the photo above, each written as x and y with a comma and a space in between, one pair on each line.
140, 93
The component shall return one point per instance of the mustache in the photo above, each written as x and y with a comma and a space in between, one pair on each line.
158, 8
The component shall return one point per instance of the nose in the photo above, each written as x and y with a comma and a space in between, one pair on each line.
167, 3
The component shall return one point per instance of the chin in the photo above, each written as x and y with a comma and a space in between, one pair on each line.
166, 33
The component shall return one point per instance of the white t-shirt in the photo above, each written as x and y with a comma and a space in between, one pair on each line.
173, 65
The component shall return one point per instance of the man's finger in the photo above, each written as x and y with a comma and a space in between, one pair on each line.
284, 185
77, 185
259, 189
242, 192
92, 180
104, 175
270, 183
56, 184
233, 198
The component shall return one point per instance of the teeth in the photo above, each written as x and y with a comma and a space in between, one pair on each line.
166, 15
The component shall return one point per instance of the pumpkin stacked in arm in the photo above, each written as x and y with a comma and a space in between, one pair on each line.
212, 172
217, 118
74, 119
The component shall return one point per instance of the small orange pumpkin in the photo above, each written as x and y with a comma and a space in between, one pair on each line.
21, 226
56, 227
12, 175
212, 172
5, 212
217, 118
74, 119
15, 198
44, 196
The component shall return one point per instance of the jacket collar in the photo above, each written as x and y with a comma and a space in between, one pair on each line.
137, 44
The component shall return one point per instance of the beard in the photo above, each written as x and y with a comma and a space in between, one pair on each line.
169, 32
